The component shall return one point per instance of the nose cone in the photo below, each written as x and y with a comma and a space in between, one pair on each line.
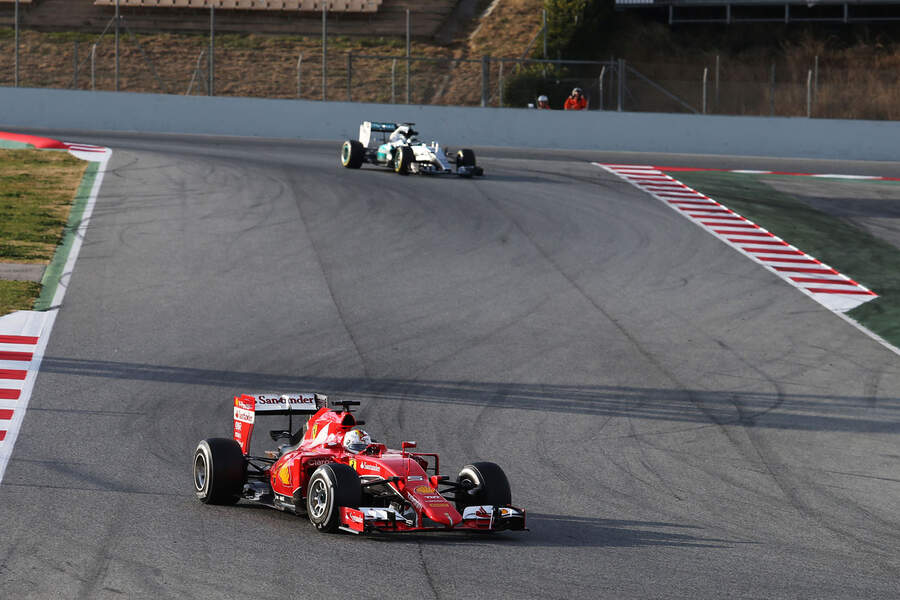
445, 515
435, 506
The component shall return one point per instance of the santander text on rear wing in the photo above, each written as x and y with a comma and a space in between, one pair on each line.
247, 406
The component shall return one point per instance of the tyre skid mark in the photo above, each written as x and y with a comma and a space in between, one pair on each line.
746, 237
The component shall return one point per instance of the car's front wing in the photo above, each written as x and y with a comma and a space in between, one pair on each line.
474, 518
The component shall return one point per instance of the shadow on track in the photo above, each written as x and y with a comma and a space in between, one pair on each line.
802, 412
546, 530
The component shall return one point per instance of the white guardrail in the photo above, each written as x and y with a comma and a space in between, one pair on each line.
453, 125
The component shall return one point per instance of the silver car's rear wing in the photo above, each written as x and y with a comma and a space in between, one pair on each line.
369, 127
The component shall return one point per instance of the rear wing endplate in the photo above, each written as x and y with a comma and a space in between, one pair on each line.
247, 406
369, 127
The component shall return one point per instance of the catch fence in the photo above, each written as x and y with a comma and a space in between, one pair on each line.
385, 70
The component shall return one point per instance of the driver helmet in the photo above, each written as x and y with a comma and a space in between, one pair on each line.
356, 440
577, 91
543, 98
400, 134
403, 133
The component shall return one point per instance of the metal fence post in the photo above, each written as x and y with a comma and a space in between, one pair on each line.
716, 108
705, 80
299, 75
394, 81
212, 50
500, 86
408, 64
809, 93
93, 66
772, 92
117, 45
16, 74
816, 78
324, 51
198, 73
621, 91
600, 86
544, 29
485, 73
349, 75
75, 66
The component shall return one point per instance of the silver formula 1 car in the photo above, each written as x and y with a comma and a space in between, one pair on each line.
401, 151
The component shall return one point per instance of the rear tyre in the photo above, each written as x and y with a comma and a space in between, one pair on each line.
219, 471
352, 154
489, 483
403, 158
331, 486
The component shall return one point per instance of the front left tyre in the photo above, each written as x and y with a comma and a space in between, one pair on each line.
331, 486
352, 154
482, 483
219, 471
403, 158
465, 158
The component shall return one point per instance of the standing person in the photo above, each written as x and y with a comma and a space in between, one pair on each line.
543, 102
576, 100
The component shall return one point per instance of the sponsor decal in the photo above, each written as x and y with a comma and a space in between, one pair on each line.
414, 478
424, 489
318, 462
353, 518
438, 504
284, 474
315, 430
295, 401
370, 467
353, 464
243, 416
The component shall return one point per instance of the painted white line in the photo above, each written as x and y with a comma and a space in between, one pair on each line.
40, 324
9, 404
832, 176
16, 347
13, 365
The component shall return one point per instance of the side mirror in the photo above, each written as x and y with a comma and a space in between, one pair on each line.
407, 445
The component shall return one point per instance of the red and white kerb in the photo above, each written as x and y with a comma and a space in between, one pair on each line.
824, 284
16, 354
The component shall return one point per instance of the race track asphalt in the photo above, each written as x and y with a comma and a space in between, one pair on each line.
678, 422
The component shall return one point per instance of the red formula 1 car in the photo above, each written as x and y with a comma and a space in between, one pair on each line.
360, 487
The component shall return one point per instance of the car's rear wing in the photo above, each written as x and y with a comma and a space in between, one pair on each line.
369, 127
247, 406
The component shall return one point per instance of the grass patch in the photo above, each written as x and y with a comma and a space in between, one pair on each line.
850, 249
36, 192
18, 295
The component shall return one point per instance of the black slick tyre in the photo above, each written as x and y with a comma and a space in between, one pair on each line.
403, 158
489, 483
219, 471
465, 163
352, 154
331, 486
465, 158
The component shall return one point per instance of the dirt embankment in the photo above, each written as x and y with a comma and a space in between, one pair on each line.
279, 66
504, 28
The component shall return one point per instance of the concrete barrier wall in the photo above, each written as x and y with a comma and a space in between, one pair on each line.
454, 126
